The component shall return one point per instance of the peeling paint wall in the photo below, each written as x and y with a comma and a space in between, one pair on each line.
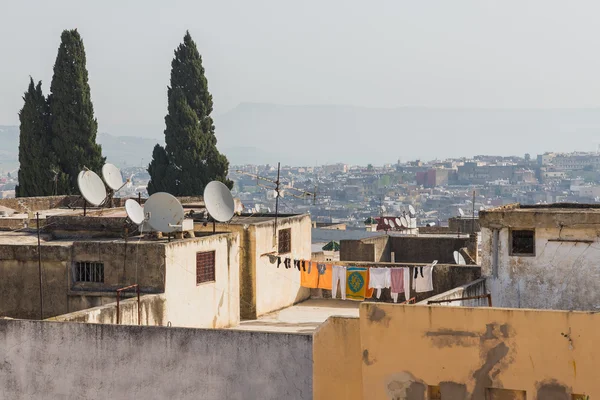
53, 360
547, 354
209, 304
564, 273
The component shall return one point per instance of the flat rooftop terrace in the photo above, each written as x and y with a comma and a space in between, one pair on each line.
303, 317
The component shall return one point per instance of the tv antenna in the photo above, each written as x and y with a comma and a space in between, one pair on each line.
278, 189
91, 188
459, 259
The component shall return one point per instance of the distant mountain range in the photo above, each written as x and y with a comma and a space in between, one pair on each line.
306, 135
319, 134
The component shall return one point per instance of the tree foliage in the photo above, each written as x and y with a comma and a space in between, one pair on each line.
72, 123
36, 160
190, 158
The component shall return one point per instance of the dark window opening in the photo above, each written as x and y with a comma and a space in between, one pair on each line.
285, 241
523, 243
205, 267
89, 271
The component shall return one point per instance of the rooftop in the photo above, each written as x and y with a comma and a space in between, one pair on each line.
303, 317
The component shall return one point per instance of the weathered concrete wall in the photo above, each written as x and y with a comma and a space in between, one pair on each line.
32, 204
277, 288
563, 274
368, 249
152, 312
423, 249
464, 224
52, 360
337, 360
471, 289
19, 280
466, 351
209, 304
264, 287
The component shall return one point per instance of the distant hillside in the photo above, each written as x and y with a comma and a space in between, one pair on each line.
121, 150
305, 135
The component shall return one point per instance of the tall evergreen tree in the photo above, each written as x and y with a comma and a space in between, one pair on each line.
192, 158
72, 121
36, 160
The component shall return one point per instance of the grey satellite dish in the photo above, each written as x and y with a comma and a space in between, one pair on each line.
112, 176
134, 211
219, 201
398, 222
91, 187
165, 213
392, 225
411, 210
461, 212
404, 222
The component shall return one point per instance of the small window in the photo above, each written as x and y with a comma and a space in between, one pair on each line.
89, 271
434, 393
205, 267
285, 241
522, 243
505, 394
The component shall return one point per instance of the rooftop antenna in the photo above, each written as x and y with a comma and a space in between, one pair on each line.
164, 212
113, 179
458, 258
461, 212
219, 202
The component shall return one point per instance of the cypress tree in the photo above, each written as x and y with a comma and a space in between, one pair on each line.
35, 157
72, 121
160, 171
191, 153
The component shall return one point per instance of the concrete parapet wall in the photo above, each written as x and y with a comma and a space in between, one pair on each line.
471, 289
152, 312
56, 360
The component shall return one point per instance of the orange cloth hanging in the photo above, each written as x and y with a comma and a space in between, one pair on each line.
368, 291
310, 277
325, 276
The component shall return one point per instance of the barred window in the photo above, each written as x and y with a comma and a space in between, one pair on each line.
205, 267
522, 243
89, 271
285, 241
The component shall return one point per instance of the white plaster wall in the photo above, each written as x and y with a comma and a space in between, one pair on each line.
210, 304
277, 288
563, 274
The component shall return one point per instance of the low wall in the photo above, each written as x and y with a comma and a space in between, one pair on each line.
54, 360
478, 353
475, 288
460, 353
152, 312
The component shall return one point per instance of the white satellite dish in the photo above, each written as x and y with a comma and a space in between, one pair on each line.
385, 221
392, 225
461, 212
398, 222
219, 201
165, 213
411, 210
404, 222
459, 259
112, 176
455, 254
91, 187
134, 211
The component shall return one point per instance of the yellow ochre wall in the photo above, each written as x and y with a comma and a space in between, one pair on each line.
337, 360
463, 351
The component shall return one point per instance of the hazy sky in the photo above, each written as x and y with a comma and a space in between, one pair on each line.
478, 53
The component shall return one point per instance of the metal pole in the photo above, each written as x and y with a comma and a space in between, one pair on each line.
277, 198
84, 206
37, 220
118, 295
138, 296
473, 215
